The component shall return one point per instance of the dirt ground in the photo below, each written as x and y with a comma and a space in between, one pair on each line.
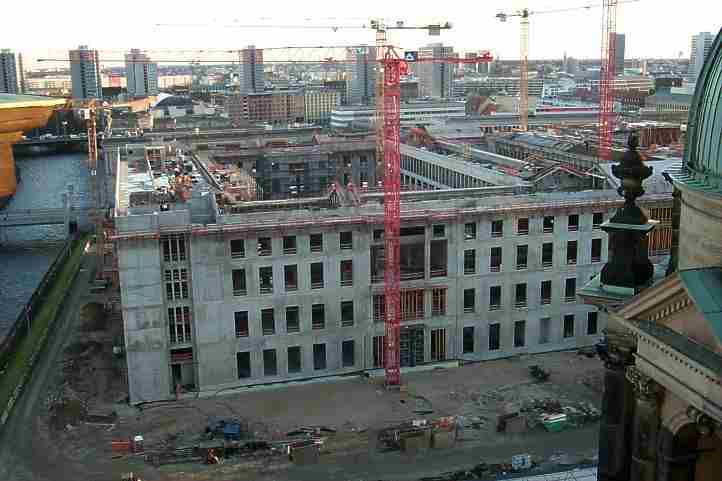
357, 408
77, 426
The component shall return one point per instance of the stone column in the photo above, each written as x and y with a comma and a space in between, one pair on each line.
615, 430
678, 451
645, 426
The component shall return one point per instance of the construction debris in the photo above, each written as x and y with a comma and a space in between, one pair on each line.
419, 434
538, 373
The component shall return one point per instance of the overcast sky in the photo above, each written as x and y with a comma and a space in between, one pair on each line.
654, 28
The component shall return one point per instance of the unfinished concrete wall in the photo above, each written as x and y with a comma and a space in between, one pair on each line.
216, 343
532, 276
144, 320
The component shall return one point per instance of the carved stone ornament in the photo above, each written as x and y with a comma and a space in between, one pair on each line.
644, 386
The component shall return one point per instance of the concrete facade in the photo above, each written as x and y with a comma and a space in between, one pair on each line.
464, 325
361, 84
8, 72
701, 45
620, 41
141, 74
411, 113
318, 105
85, 73
251, 75
435, 78
273, 107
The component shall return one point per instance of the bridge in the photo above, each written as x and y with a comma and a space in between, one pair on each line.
26, 217
54, 140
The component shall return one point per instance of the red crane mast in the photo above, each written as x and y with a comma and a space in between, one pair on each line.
606, 79
393, 68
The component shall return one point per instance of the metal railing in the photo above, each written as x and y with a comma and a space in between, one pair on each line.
438, 272
411, 276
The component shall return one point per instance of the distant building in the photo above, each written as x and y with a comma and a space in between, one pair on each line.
623, 82
8, 72
251, 76
436, 78
361, 63
471, 67
409, 89
412, 113
340, 87
619, 45
510, 85
85, 73
277, 107
141, 74
318, 105
58, 85
701, 45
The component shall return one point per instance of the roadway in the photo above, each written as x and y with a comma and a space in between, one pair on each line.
27, 450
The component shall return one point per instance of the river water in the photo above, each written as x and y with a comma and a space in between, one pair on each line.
27, 252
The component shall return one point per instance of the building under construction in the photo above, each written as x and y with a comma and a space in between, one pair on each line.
219, 292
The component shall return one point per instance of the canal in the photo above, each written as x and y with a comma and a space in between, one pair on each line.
27, 252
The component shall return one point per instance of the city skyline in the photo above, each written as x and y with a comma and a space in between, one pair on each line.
652, 31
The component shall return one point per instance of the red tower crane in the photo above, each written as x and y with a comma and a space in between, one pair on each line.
606, 79
394, 66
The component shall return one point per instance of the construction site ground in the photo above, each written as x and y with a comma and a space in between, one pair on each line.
65, 430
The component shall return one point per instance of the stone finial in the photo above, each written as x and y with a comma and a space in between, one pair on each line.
628, 265
632, 172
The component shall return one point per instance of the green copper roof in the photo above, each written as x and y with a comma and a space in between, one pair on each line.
704, 286
694, 350
703, 153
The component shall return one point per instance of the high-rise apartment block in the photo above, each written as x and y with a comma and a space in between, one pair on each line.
362, 75
619, 45
251, 76
701, 45
436, 78
8, 72
141, 74
85, 73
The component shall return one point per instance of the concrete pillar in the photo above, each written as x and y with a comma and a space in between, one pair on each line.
646, 425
